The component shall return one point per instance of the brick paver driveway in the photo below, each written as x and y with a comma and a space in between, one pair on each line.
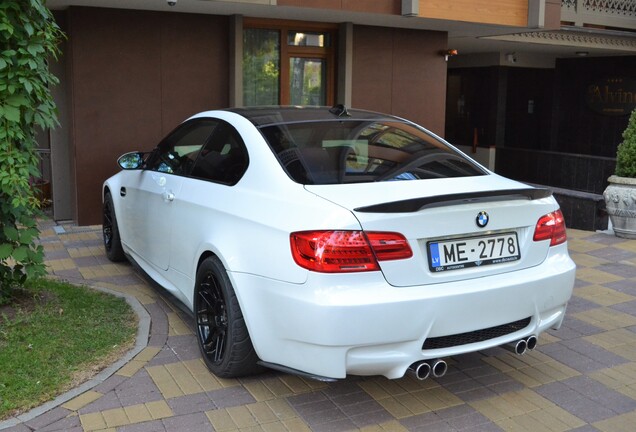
582, 377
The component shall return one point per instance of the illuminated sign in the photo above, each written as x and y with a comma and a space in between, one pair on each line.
613, 96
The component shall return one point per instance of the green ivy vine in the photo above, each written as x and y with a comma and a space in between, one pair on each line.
28, 38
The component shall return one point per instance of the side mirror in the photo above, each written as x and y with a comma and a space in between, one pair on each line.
131, 161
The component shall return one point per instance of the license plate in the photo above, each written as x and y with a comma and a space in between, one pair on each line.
463, 253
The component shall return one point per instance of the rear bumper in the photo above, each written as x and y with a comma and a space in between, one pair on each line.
335, 325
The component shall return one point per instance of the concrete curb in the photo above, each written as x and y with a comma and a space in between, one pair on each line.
141, 342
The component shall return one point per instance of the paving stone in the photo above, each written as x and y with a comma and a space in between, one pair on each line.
229, 397
315, 418
48, 418
586, 399
362, 419
150, 426
583, 356
578, 283
306, 398
190, 404
484, 427
18, 428
195, 422
506, 387
109, 384
465, 421
604, 239
138, 389
341, 425
157, 340
586, 428
421, 419
627, 286
476, 394
612, 254
184, 347
627, 307
573, 328
623, 270
159, 319
582, 377
576, 304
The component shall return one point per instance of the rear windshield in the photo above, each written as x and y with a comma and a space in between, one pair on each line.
355, 151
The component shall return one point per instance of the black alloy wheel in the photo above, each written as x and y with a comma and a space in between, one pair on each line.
110, 231
222, 334
211, 317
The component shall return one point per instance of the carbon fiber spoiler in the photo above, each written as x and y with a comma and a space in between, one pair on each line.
416, 204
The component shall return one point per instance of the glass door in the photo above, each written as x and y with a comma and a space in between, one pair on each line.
307, 81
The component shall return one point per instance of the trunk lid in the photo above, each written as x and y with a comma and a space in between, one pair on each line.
439, 217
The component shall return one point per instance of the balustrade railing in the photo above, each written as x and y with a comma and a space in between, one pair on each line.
610, 13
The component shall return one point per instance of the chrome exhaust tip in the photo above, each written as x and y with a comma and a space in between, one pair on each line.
439, 368
531, 342
420, 370
519, 347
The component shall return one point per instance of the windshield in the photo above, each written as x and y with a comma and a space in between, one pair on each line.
355, 151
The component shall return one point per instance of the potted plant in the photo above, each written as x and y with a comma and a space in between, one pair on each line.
620, 195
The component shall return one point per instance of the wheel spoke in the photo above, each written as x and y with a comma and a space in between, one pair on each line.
107, 228
211, 318
219, 346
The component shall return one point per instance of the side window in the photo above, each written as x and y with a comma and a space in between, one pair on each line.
177, 153
224, 158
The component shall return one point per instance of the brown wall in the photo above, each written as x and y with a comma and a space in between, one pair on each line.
134, 76
393, 7
401, 72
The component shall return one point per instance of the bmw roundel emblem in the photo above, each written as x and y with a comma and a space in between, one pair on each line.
482, 219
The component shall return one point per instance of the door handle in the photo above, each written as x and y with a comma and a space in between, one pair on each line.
168, 196
122, 191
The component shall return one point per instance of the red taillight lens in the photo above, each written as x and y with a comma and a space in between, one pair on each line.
389, 246
551, 227
346, 251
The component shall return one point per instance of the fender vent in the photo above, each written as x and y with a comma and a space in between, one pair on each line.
474, 336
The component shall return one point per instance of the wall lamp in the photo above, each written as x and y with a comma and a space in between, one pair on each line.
449, 53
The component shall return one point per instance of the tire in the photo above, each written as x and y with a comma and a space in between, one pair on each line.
221, 332
110, 232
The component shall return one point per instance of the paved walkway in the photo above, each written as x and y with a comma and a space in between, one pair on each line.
582, 377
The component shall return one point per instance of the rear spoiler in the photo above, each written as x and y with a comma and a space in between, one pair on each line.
416, 204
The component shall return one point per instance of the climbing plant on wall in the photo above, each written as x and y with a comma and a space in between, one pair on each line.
28, 38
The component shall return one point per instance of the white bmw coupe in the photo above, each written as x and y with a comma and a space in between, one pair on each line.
327, 242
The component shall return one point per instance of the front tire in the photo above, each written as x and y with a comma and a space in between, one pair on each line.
222, 335
110, 231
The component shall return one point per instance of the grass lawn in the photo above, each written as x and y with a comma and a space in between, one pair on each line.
54, 336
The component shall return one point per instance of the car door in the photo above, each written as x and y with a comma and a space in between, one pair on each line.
151, 200
205, 203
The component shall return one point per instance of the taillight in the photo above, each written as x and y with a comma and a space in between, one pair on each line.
551, 227
347, 251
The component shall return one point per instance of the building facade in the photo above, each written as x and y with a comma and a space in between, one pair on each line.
520, 95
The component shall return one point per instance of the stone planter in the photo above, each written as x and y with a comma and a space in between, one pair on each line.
620, 201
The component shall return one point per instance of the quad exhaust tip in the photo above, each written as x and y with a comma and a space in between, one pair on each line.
531, 342
420, 370
439, 368
521, 346
425, 368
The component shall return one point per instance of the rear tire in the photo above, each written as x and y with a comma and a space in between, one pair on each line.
110, 232
220, 328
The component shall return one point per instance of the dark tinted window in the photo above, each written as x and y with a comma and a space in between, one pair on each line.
353, 151
177, 152
224, 157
